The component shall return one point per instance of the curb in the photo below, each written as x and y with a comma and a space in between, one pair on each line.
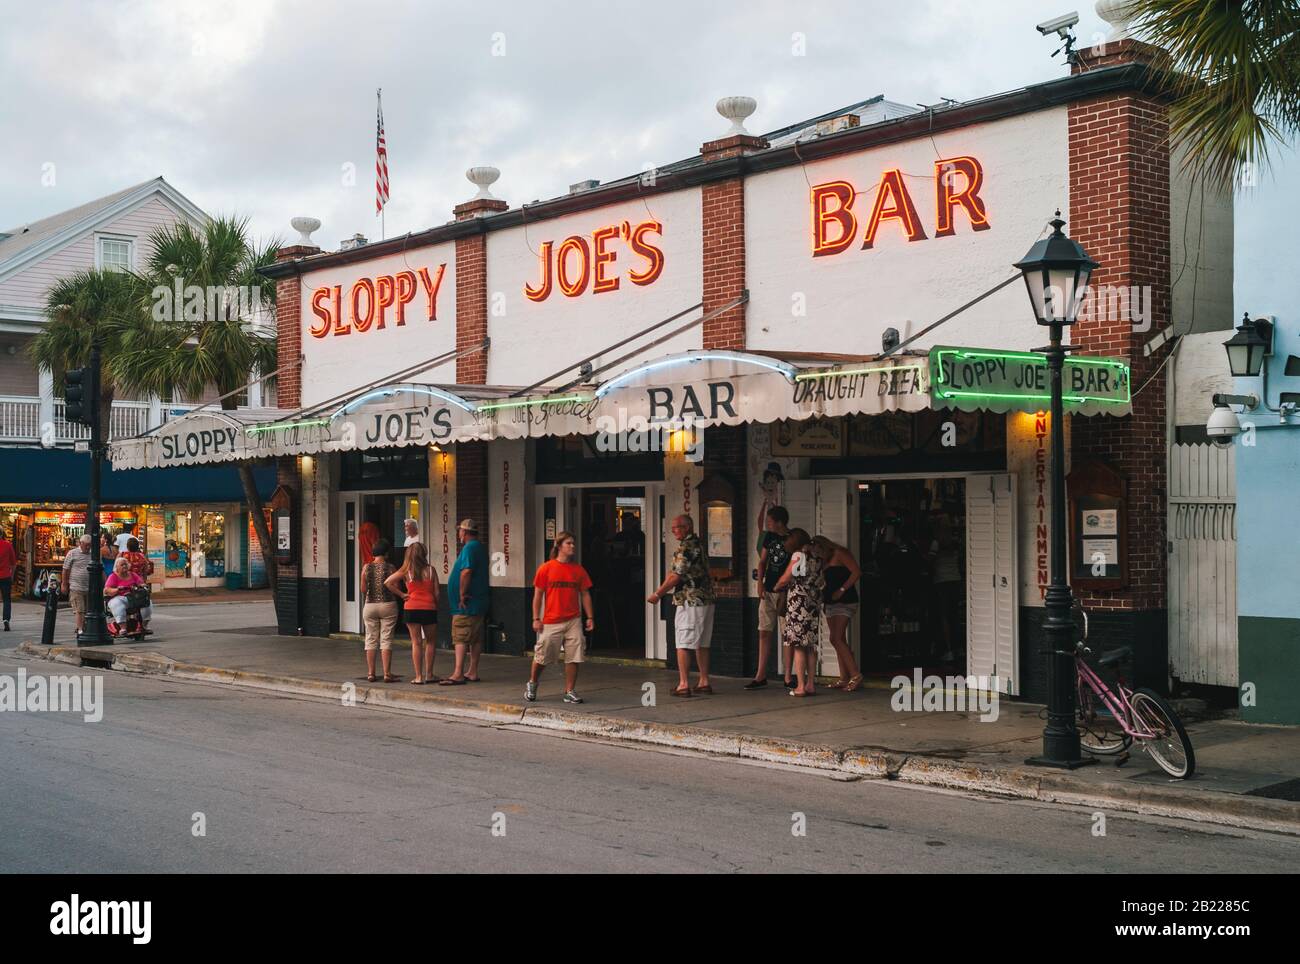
1020, 782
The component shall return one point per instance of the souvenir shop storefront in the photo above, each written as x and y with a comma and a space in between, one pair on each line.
192, 525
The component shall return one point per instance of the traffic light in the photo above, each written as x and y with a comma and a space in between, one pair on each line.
81, 396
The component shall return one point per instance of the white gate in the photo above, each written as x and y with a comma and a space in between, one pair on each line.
1203, 564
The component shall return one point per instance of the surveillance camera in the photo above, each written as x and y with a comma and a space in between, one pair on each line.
1059, 25
1223, 425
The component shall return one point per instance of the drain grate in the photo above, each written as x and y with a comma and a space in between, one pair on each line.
1286, 790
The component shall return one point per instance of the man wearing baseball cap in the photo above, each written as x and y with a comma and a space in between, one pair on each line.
467, 592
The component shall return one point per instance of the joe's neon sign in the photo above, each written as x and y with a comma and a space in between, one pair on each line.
957, 183
580, 263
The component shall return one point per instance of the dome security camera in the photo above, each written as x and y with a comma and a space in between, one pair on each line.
1223, 425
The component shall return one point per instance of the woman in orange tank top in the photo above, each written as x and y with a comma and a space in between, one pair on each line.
420, 609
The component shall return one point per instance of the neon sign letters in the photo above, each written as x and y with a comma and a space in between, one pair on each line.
957, 183
369, 300
580, 263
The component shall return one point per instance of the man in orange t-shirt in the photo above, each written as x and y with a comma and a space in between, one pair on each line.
561, 594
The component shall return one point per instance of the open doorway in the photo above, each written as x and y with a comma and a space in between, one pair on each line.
613, 551
912, 536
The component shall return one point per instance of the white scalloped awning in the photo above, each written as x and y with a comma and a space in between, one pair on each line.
689, 390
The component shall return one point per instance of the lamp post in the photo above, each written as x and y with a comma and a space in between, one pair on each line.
1056, 272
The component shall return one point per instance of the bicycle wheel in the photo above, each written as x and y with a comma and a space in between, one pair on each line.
1099, 734
1170, 747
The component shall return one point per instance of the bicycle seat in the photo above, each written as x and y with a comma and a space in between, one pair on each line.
1115, 656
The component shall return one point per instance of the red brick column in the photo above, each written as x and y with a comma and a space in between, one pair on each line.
724, 244
1119, 212
471, 329
288, 324
288, 388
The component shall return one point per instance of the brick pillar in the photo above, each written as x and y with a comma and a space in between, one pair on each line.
723, 205
1119, 212
471, 329
288, 323
723, 255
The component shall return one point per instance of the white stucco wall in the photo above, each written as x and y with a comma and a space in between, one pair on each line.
850, 298
337, 363
533, 339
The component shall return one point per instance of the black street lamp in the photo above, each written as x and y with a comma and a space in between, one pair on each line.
1056, 272
1247, 348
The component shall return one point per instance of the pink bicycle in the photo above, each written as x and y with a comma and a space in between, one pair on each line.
1109, 721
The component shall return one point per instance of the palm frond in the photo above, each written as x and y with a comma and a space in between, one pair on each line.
1234, 66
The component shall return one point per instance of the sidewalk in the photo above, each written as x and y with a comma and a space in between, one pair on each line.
858, 734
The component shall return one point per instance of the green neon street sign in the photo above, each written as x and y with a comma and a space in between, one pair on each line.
970, 378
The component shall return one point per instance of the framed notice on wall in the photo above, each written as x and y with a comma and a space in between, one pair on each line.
1098, 532
813, 437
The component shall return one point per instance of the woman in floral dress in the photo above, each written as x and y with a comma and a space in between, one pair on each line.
805, 578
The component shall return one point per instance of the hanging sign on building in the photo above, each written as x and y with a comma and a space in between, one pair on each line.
986, 379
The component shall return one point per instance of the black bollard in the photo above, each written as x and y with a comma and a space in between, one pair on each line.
51, 611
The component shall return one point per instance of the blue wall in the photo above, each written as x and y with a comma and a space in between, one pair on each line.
62, 475
1268, 542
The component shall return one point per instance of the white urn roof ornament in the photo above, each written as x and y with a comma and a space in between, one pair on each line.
1119, 14
305, 226
483, 178
736, 109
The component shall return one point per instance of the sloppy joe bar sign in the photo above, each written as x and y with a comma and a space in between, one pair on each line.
364, 321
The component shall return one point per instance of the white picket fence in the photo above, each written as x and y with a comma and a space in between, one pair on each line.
1203, 564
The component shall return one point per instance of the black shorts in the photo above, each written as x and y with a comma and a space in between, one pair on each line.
420, 617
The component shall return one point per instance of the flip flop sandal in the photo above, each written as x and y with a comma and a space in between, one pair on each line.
839, 684
371, 679
706, 690
472, 679
452, 682
417, 682
853, 684
682, 692
390, 679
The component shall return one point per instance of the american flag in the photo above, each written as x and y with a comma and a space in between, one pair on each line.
381, 157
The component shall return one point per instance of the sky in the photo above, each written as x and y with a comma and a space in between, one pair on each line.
266, 108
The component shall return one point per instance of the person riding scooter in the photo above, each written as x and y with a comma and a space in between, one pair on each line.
126, 591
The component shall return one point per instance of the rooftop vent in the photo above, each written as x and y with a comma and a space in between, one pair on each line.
583, 186
833, 125
352, 243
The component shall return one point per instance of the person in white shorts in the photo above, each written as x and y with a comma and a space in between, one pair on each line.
558, 589
692, 591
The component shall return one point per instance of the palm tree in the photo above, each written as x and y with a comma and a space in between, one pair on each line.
214, 336
85, 307
1235, 67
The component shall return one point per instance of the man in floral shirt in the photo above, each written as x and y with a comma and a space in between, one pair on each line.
692, 591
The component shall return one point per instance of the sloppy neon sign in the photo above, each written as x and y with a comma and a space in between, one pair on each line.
580, 263
835, 226
369, 299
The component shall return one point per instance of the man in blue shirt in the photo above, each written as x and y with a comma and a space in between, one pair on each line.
467, 592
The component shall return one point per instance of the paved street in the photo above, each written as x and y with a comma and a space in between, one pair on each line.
294, 785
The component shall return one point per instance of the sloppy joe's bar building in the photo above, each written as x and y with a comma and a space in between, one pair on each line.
712, 336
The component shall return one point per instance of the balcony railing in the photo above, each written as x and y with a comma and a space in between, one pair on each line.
20, 420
